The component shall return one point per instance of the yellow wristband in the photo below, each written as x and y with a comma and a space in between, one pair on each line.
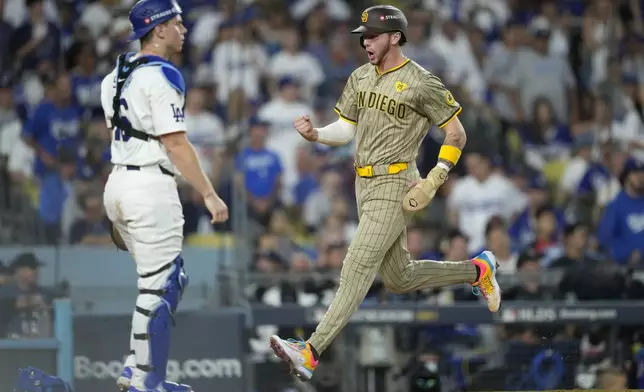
450, 154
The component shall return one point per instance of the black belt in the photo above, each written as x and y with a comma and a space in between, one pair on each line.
164, 171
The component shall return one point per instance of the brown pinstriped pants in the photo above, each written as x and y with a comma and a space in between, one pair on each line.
380, 246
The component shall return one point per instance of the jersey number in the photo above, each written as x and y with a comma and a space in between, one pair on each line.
119, 135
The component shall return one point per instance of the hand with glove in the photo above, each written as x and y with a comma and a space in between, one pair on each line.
424, 191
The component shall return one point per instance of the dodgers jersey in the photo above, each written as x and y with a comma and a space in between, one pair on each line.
152, 100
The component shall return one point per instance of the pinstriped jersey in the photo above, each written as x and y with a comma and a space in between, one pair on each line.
394, 110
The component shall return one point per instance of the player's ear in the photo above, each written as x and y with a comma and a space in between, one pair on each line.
395, 38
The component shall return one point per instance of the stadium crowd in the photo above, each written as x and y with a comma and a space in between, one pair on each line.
552, 177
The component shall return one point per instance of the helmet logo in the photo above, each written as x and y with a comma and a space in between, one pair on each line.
365, 17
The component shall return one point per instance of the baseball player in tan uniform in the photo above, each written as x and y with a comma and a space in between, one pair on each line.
388, 105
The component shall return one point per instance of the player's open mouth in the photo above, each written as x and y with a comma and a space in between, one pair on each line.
371, 55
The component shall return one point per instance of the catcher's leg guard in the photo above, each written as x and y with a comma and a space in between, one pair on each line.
152, 325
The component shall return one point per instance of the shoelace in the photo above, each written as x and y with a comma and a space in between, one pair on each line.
476, 291
300, 343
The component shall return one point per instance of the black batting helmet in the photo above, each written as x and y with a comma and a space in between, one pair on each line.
382, 19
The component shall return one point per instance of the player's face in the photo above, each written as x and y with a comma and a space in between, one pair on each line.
377, 45
175, 33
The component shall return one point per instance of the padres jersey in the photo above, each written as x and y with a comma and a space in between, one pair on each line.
393, 111
152, 100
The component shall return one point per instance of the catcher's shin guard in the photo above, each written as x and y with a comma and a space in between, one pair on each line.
152, 326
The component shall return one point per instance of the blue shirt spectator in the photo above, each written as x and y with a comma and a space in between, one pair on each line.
261, 168
55, 124
596, 176
621, 229
37, 41
55, 188
86, 83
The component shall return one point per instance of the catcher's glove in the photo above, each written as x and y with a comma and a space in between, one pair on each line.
424, 191
116, 236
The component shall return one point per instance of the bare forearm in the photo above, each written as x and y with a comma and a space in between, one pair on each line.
454, 137
184, 157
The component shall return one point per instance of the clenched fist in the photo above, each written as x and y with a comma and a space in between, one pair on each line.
305, 128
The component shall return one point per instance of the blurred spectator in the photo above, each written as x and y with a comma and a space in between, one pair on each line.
481, 195
559, 21
86, 80
544, 138
15, 12
451, 42
498, 241
315, 36
281, 227
238, 62
36, 43
500, 63
19, 157
456, 246
575, 246
206, 132
259, 170
523, 227
280, 112
417, 47
576, 167
55, 191
294, 62
97, 16
591, 279
205, 32
600, 24
92, 229
318, 206
546, 232
621, 230
626, 130
95, 153
55, 124
539, 74
340, 65
609, 189
310, 161
529, 269
24, 305
6, 32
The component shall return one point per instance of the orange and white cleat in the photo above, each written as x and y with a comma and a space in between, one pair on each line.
486, 283
296, 353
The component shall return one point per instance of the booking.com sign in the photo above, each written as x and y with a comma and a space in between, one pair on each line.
87, 369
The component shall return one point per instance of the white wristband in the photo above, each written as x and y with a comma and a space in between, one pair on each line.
442, 165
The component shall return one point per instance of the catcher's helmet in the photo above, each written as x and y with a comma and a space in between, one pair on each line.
382, 19
147, 14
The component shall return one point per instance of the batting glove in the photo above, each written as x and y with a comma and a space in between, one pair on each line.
424, 191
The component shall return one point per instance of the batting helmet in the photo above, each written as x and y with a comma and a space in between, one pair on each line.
382, 19
147, 14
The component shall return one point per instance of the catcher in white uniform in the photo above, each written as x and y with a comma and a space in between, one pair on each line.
143, 99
